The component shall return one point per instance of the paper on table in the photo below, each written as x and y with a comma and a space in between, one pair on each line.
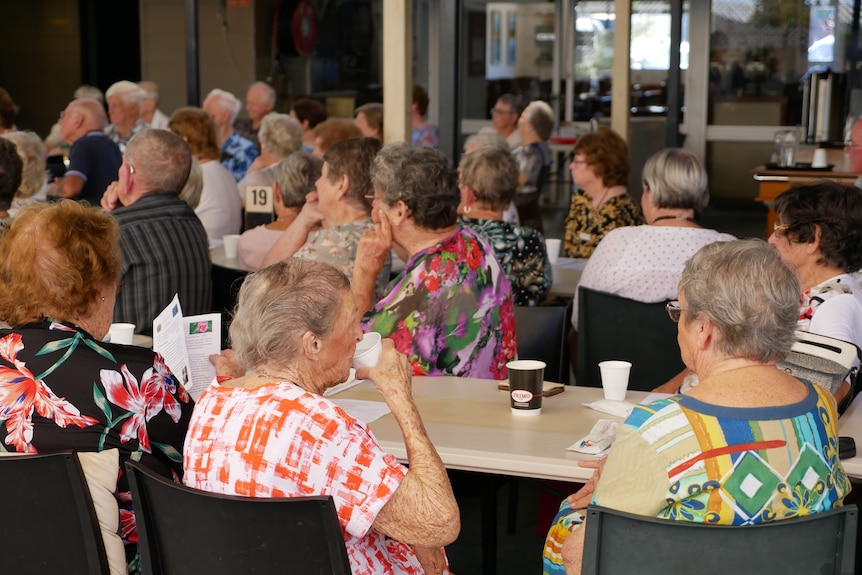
611, 407
364, 411
599, 439
186, 343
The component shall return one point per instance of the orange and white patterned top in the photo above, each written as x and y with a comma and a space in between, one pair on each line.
280, 441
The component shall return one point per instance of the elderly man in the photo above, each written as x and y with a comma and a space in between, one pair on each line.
237, 152
150, 112
164, 244
504, 116
124, 108
10, 178
93, 158
259, 101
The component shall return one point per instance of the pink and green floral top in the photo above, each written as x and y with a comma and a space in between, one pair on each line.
450, 311
62, 389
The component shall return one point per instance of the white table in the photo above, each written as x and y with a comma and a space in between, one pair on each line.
471, 425
218, 258
850, 424
567, 276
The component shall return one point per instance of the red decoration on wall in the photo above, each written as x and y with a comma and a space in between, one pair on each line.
303, 27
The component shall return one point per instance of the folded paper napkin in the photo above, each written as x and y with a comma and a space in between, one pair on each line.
598, 439
611, 407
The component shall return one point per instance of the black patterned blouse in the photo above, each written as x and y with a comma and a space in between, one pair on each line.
585, 227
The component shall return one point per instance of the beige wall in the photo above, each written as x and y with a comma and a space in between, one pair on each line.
227, 59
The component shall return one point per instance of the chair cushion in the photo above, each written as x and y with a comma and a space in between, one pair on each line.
101, 470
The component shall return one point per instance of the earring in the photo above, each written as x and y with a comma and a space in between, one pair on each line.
103, 298
467, 209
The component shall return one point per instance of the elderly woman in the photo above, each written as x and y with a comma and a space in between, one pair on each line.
31, 150
279, 136
295, 331
600, 169
61, 387
450, 310
819, 233
295, 178
737, 313
534, 127
644, 263
219, 208
340, 206
369, 119
488, 182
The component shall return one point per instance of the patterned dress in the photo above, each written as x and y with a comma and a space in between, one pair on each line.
62, 389
521, 251
278, 440
586, 227
424, 136
450, 311
237, 155
693, 461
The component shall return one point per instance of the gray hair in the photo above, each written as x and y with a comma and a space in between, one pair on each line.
385, 167
87, 91
93, 111
676, 179
296, 176
268, 91
227, 101
277, 305
129, 92
540, 115
191, 192
492, 173
484, 140
151, 90
162, 160
428, 187
32, 153
748, 293
280, 134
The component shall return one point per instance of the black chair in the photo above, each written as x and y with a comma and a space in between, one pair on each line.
613, 327
183, 530
225, 289
621, 543
49, 524
541, 333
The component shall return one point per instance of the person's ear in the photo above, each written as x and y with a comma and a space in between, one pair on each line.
311, 346
343, 186
398, 213
814, 245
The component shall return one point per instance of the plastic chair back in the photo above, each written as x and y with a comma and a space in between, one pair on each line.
613, 327
183, 530
541, 334
49, 524
621, 543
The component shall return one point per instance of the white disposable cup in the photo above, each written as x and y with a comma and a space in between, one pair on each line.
122, 333
819, 159
553, 247
615, 378
231, 246
526, 380
368, 350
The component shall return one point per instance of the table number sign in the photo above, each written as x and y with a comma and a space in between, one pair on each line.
259, 206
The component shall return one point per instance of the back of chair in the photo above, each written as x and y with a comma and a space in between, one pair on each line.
613, 327
621, 543
183, 530
48, 523
541, 334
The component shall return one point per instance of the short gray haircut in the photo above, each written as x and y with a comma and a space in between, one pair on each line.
191, 192
483, 140
428, 186
296, 176
280, 134
162, 160
129, 92
493, 174
748, 293
93, 111
676, 179
87, 91
227, 101
385, 167
151, 90
268, 90
541, 116
277, 305
32, 153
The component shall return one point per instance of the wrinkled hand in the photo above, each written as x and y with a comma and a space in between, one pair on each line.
432, 559
226, 364
374, 245
584, 495
310, 215
111, 197
392, 372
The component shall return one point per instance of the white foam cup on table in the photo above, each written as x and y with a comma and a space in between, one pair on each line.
553, 248
819, 158
231, 246
615, 378
122, 333
368, 350
526, 382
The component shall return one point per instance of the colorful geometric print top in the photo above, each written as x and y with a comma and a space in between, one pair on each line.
278, 440
585, 227
450, 310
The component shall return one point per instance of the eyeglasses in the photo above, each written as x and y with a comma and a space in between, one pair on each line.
674, 311
578, 162
495, 111
851, 144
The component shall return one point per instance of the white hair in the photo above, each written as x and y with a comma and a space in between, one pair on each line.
227, 101
129, 91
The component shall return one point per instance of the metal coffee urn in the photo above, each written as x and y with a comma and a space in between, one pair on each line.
823, 106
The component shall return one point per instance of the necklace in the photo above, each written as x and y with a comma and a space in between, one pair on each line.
680, 217
601, 201
263, 373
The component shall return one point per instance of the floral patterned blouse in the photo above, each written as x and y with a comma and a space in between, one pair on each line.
450, 310
62, 389
586, 227
521, 251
